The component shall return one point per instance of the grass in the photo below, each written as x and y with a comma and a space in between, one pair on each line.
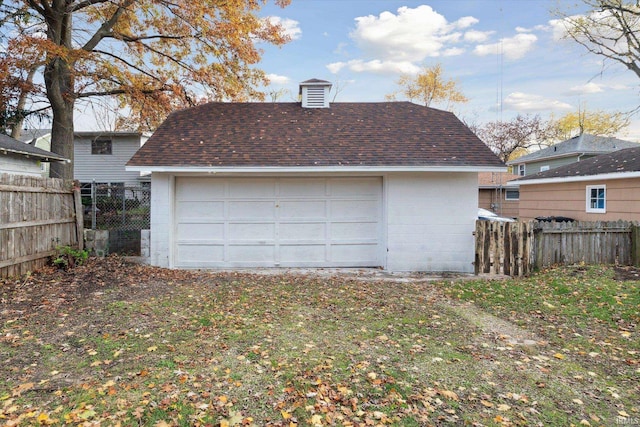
145, 346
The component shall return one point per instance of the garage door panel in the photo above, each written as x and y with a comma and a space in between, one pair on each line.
309, 187
353, 230
251, 231
250, 188
348, 187
195, 188
264, 254
289, 222
303, 231
308, 254
200, 254
302, 209
194, 231
247, 210
354, 209
353, 253
194, 209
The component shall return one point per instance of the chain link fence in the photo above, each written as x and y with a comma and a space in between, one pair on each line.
122, 210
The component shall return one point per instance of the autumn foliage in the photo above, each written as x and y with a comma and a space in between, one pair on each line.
152, 56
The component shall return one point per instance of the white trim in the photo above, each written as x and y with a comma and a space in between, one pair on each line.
311, 169
588, 199
600, 177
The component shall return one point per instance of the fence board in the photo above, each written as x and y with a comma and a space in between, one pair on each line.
36, 216
517, 248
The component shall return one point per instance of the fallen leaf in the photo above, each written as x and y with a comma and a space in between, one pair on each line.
559, 356
448, 394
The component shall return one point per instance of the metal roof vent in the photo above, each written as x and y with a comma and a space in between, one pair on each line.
315, 93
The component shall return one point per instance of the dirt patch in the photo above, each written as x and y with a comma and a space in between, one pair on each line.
624, 273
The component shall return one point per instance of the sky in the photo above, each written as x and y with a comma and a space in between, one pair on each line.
507, 56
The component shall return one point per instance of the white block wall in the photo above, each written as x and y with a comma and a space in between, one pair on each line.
430, 221
161, 219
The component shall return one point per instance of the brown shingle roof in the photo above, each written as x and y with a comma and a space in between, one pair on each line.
620, 161
287, 135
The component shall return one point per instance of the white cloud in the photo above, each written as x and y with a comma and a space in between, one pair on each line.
277, 79
474, 36
454, 51
375, 66
529, 103
585, 89
408, 35
290, 27
512, 47
466, 22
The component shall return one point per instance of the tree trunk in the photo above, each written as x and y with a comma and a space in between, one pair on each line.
58, 79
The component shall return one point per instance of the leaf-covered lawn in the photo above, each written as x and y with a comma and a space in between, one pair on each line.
115, 343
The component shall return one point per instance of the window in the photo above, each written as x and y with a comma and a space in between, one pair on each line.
544, 168
597, 198
101, 146
512, 195
521, 169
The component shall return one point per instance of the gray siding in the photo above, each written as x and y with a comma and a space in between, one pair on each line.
105, 167
534, 167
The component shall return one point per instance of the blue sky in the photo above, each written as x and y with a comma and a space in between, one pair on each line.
363, 46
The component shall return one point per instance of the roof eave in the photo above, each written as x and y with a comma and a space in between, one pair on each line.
311, 169
38, 156
598, 177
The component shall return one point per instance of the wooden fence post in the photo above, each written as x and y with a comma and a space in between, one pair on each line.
635, 245
79, 210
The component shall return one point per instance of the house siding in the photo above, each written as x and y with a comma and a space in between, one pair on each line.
569, 199
430, 221
105, 167
494, 200
532, 168
18, 164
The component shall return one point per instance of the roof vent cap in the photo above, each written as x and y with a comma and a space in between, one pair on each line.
315, 93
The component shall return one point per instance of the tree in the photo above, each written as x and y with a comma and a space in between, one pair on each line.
611, 28
429, 86
599, 122
511, 139
151, 55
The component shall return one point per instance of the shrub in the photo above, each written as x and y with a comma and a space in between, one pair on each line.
67, 257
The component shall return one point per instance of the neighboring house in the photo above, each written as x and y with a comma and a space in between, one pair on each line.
40, 138
389, 184
573, 150
496, 194
100, 157
16, 157
602, 188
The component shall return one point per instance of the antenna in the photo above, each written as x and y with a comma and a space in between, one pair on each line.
500, 64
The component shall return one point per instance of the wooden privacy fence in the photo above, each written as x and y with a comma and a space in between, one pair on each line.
518, 248
37, 215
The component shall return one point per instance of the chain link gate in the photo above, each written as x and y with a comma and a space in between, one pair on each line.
122, 210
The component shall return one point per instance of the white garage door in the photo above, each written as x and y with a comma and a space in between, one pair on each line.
278, 222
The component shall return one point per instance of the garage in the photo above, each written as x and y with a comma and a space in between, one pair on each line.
278, 222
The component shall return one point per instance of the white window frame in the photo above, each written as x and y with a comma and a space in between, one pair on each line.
521, 169
506, 194
590, 199
544, 168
